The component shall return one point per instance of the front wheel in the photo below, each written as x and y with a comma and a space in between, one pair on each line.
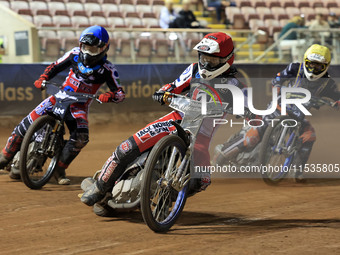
277, 151
39, 152
161, 204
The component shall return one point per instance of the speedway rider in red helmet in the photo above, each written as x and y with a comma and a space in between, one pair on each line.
89, 70
216, 56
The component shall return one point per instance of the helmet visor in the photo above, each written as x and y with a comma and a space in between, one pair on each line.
91, 50
315, 67
210, 62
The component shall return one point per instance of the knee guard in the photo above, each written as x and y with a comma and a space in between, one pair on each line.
308, 135
251, 138
72, 148
81, 141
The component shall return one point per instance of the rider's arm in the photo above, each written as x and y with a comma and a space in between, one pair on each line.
53, 69
331, 91
181, 84
116, 93
287, 75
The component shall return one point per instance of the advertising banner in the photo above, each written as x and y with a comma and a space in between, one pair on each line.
18, 95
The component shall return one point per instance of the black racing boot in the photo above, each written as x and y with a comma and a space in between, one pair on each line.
92, 195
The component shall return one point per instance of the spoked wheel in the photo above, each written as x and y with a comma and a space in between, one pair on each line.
161, 204
277, 151
38, 156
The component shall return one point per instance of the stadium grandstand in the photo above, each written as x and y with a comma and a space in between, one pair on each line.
136, 37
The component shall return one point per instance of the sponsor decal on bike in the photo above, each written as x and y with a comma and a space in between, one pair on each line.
155, 129
45, 105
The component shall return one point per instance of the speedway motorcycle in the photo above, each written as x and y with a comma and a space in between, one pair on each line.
281, 144
275, 154
44, 140
157, 182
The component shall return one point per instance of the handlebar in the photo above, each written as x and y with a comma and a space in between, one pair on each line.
317, 102
53, 88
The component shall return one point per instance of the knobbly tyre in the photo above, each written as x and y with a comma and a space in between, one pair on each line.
281, 143
44, 140
166, 181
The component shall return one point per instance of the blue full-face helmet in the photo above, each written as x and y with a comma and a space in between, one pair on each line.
94, 44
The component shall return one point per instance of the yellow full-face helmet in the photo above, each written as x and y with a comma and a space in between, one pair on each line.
317, 59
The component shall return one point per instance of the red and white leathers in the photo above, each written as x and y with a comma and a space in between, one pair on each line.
77, 120
148, 136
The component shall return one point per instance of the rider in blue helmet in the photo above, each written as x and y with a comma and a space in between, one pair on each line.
89, 70
93, 44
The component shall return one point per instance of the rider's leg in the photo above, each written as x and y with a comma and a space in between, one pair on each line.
308, 138
127, 152
112, 169
239, 143
79, 137
15, 140
200, 160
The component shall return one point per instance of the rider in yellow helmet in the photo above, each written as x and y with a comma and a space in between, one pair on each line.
316, 62
312, 75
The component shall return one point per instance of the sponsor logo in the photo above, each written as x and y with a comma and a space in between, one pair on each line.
125, 146
203, 48
154, 129
212, 37
109, 170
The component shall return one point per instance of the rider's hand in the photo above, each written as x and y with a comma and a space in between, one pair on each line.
336, 105
117, 96
107, 97
158, 96
307, 136
40, 84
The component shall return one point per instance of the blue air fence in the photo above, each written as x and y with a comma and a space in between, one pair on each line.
18, 95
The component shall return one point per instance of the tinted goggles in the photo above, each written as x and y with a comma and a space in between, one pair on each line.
315, 67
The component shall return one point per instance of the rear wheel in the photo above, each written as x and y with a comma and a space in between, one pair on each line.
161, 204
39, 152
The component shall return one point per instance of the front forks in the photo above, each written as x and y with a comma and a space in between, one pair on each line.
181, 176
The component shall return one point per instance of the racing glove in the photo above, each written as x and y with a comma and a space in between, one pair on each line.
40, 83
116, 97
336, 105
107, 97
158, 96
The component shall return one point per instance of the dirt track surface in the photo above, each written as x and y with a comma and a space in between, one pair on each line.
233, 216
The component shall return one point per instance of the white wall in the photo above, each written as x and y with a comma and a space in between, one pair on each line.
11, 23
